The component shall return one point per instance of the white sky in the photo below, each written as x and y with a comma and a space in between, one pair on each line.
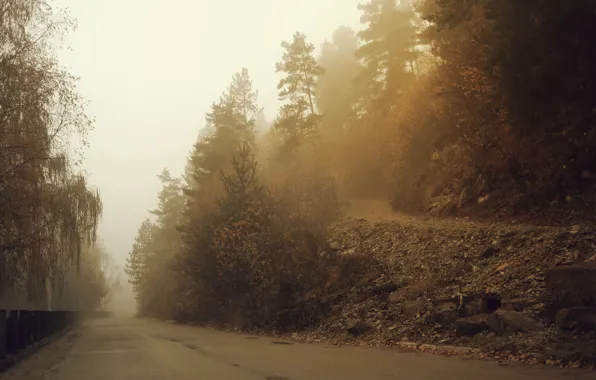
151, 68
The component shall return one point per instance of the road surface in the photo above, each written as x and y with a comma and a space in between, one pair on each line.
138, 349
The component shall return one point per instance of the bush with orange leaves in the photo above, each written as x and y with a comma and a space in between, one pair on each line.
265, 260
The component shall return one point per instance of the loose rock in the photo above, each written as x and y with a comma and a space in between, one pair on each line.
571, 286
476, 324
516, 322
581, 318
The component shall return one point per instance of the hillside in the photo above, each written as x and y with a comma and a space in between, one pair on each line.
455, 282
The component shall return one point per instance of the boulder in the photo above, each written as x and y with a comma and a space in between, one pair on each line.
480, 304
571, 286
580, 318
519, 304
445, 311
415, 307
476, 306
500, 322
515, 322
490, 251
470, 326
442, 205
384, 288
356, 327
377, 289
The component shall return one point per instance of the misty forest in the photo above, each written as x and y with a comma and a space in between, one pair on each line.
473, 108
467, 113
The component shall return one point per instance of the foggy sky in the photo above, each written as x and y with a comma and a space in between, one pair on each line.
150, 70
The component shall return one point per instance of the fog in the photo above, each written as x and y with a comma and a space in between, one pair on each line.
404, 110
333, 170
150, 70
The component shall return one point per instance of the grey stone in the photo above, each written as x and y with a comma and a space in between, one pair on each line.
415, 307
490, 251
519, 304
571, 286
356, 328
516, 322
580, 318
470, 326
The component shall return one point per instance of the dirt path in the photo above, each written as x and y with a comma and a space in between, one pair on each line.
380, 211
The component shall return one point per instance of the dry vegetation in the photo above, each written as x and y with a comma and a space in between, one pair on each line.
48, 213
477, 108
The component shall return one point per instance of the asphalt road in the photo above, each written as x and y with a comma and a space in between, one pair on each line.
133, 349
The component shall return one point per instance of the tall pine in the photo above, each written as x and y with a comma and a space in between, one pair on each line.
298, 117
387, 50
336, 93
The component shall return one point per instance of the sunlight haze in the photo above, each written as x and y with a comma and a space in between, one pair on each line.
150, 69
276, 189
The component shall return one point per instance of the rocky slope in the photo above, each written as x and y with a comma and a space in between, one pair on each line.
467, 284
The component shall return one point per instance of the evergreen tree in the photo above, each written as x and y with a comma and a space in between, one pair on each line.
244, 98
242, 185
261, 124
137, 262
168, 213
387, 50
336, 93
232, 122
298, 117
151, 262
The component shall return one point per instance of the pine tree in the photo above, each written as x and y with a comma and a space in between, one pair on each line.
242, 185
168, 213
232, 123
336, 93
298, 117
244, 98
388, 50
151, 262
138, 258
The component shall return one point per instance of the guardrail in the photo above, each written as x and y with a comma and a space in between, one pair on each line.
20, 329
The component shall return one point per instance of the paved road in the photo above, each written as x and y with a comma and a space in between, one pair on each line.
114, 349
